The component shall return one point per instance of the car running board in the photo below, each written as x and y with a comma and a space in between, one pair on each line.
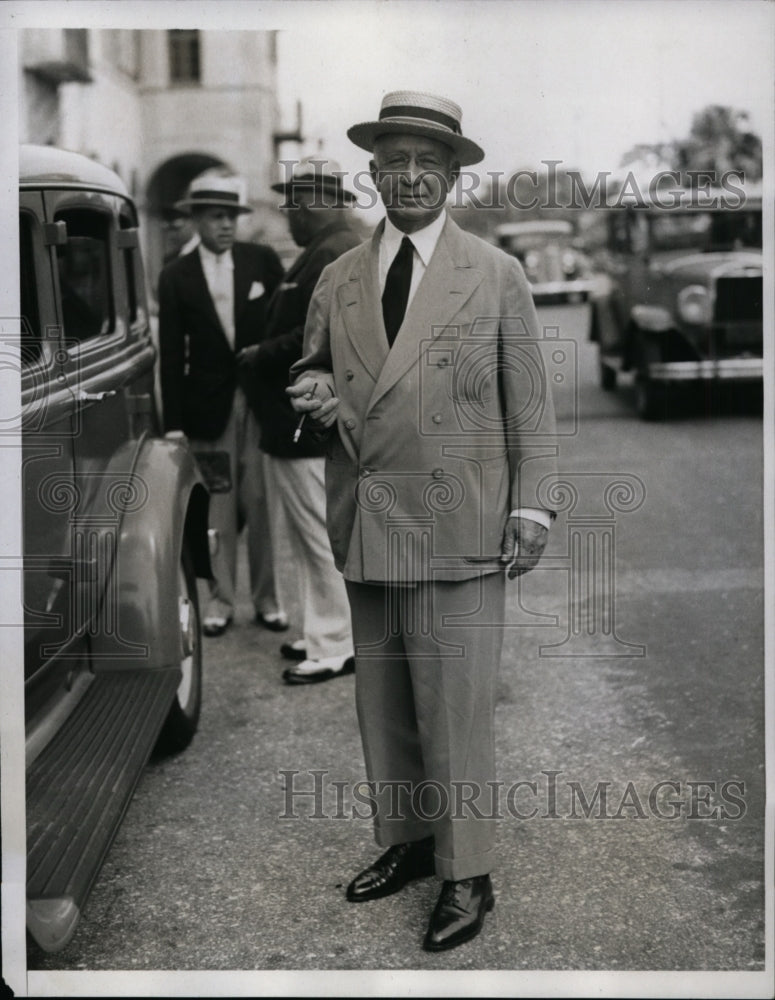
78, 790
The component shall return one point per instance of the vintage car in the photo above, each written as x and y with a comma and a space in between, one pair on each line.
114, 533
555, 266
683, 302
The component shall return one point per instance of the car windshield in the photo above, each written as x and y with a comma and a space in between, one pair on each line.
706, 231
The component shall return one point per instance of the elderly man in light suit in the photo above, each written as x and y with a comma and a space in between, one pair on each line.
421, 347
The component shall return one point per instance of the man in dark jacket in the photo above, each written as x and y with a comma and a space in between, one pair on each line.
212, 303
316, 206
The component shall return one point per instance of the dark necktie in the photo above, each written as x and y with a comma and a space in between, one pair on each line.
396, 294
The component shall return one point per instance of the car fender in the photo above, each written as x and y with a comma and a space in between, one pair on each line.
166, 502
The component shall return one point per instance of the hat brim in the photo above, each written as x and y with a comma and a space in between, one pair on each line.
189, 204
326, 187
466, 150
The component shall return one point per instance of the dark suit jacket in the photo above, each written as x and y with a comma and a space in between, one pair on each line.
282, 340
198, 368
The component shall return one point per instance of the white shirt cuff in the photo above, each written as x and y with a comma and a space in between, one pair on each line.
534, 514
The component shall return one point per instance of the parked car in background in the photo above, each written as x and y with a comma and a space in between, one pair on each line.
114, 535
556, 267
683, 302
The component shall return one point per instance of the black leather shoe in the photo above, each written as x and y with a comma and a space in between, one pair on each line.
459, 913
389, 873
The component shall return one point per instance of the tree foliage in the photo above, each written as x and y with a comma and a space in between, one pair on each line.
720, 140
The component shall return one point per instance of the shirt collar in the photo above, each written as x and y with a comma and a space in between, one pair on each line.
208, 257
424, 240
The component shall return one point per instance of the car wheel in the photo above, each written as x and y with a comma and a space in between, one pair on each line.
607, 377
183, 718
650, 399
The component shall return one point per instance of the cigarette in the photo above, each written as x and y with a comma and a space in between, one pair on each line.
297, 432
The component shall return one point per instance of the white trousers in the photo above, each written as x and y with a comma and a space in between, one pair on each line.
298, 485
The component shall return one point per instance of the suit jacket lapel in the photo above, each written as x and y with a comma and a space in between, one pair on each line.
361, 308
448, 283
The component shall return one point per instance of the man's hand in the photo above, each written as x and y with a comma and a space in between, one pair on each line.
523, 543
246, 358
313, 395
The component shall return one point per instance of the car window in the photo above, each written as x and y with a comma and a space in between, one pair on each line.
84, 275
706, 231
675, 231
734, 230
28, 295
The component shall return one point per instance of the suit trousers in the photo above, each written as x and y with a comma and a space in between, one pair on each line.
427, 659
298, 486
245, 504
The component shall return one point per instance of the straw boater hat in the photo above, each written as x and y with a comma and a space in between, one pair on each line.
417, 113
315, 173
218, 192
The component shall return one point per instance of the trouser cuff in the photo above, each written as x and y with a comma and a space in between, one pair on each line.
390, 834
455, 869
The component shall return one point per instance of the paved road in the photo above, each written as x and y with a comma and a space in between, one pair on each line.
207, 872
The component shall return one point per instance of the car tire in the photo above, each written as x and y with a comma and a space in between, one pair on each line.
183, 717
607, 376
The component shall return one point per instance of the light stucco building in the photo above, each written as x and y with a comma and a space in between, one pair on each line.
159, 108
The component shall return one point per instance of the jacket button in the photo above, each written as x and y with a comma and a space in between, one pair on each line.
349, 423
349, 375
436, 418
437, 473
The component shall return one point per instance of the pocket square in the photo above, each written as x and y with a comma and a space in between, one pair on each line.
256, 290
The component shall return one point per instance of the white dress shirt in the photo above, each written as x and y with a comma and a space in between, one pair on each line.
424, 242
219, 275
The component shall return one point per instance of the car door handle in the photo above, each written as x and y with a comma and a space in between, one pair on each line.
95, 397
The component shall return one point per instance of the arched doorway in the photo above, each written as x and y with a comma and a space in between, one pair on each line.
166, 186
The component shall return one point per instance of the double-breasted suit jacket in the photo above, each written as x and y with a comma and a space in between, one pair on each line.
439, 437
198, 367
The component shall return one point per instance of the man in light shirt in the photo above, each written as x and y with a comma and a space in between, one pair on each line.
421, 359
212, 304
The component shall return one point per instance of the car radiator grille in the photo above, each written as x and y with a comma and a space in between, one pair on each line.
738, 317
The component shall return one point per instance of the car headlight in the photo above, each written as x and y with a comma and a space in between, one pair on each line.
569, 262
695, 305
532, 260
